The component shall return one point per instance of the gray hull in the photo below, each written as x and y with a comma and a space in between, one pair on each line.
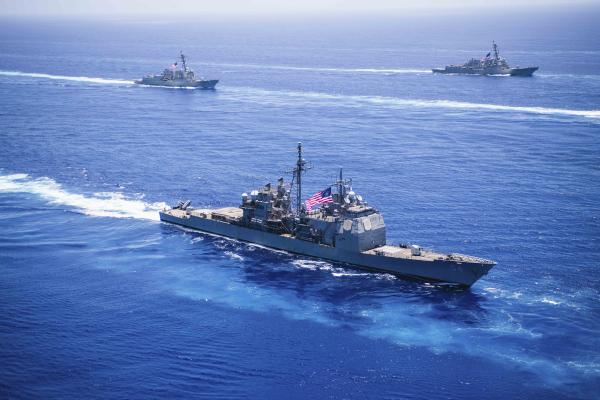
157, 81
460, 273
523, 71
486, 71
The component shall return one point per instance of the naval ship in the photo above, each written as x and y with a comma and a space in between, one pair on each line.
335, 224
491, 64
178, 77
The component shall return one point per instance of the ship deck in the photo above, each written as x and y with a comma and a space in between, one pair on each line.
223, 214
234, 214
426, 255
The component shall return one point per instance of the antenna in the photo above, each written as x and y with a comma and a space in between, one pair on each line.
495, 47
342, 185
183, 60
301, 166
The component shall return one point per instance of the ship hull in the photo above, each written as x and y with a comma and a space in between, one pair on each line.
486, 71
463, 274
523, 71
157, 81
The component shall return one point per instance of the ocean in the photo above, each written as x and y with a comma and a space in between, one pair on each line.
100, 300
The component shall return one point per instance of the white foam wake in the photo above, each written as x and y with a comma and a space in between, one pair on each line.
327, 69
396, 102
106, 204
67, 78
350, 100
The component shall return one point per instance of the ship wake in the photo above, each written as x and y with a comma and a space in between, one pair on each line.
68, 78
384, 71
358, 101
337, 100
103, 204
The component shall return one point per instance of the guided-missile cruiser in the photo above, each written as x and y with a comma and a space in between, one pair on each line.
178, 75
491, 64
334, 224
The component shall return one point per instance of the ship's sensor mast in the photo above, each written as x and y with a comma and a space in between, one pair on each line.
496, 54
301, 166
342, 186
183, 61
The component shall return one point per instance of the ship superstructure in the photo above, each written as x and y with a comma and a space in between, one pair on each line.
344, 228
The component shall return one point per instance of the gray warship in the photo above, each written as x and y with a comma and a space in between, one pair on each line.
178, 77
343, 228
491, 64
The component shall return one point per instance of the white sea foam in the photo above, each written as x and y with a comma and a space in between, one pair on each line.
254, 246
313, 265
85, 79
341, 273
67, 78
106, 204
550, 301
338, 272
396, 102
349, 100
500, 293
385, 71
570, 76
532, 299
234, 256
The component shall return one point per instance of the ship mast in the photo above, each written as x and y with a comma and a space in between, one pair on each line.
183, 61
495, 47
301, 166
341, 188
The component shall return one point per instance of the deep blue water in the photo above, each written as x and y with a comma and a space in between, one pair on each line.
100, 300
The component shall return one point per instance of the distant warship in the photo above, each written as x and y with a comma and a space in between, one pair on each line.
334, 224
491, 64
177, 76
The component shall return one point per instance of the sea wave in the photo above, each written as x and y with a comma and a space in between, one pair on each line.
397, 102
104, 204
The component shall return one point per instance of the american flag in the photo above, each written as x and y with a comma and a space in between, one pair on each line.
321, 197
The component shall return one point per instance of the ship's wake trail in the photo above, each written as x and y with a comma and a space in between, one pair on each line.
326, 99
68, 78
104, 204
385, 71
358, 101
